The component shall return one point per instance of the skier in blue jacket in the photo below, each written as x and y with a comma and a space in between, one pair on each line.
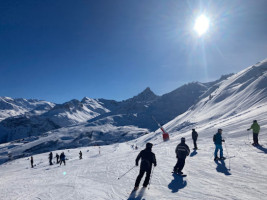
217, 139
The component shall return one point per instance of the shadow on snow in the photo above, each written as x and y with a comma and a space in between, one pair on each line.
222, 168
193, 153
264, 150
177, 183
139, 196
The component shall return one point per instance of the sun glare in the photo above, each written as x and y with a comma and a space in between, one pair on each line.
201, 25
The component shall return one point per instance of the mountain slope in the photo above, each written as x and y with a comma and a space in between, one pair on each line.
13, 107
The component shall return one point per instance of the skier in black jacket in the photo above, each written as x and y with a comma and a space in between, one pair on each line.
147, 159
194, 137
50, 156
182, 151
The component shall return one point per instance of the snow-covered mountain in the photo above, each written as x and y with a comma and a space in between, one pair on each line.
10, 107
232, 105
61, 115
138, 111
238, 95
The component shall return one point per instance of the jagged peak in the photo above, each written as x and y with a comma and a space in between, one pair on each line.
145, 95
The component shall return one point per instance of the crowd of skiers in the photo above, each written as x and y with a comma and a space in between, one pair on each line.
60, 159
148, 158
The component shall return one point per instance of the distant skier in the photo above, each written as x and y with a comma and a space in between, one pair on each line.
32, 161
57, 157
50, 158
182, 151
81, 155
136, 147
217, 139
194, 137
147, 159
256, 129
62, 158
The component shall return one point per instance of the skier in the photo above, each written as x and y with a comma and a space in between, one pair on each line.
62, 158
256, 129
217, 139
81, 155
194, 137
147, 159
32, 161
50, 158
182, 151
57, 156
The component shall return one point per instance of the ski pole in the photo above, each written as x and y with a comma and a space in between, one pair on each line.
150, 178
126, 173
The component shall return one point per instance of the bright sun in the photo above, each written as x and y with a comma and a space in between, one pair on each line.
201, 25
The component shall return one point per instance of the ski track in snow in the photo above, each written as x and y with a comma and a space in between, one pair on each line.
96, 176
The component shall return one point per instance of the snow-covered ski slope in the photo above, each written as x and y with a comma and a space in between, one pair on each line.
233, 105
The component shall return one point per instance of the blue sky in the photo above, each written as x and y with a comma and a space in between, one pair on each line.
64, 49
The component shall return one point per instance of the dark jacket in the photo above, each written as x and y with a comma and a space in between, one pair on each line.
62, 156
147, 159
182, 150
217, 139
194, 135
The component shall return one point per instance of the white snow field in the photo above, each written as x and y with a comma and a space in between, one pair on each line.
232, 106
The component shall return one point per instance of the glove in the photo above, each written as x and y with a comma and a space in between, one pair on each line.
223, 140
248, 129
136, 164
155, 165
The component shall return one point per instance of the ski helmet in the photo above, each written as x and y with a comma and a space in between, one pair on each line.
182, 139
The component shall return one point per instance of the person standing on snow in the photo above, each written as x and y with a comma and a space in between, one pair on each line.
50, 158
182, 151
194, 137
147, 159
62, 158
57, 156
217, 139
81, 155
256, 129
32, 161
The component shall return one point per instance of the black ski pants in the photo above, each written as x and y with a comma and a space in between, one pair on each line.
179, 165
195, 143
255, 138
140, 176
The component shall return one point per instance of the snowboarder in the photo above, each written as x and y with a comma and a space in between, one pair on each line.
32, 161
256, 129
81, 155
147, 159
50, 158
194, 137
182, 151
57, 157
217, 139
62, 158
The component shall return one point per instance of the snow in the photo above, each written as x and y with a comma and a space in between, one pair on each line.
235, 103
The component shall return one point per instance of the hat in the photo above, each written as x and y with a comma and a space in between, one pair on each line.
193, 129
254, 121
182, 139
149, 145
219, 129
